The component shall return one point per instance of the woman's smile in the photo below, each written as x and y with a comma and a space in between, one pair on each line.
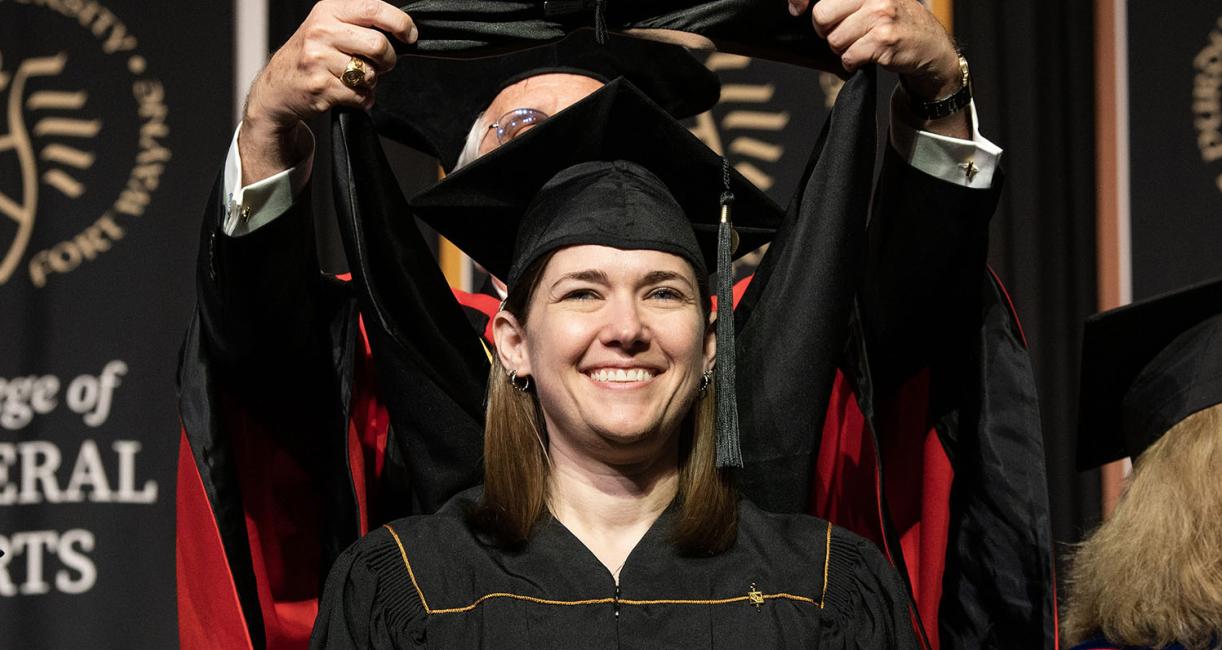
622, 377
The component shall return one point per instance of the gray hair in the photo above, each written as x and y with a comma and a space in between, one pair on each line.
475, 136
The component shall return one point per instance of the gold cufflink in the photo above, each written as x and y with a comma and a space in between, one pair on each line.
969, 170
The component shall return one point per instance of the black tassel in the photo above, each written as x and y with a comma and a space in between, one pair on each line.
600, 21
729, 450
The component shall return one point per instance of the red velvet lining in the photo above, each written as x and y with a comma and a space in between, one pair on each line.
485, 303
918, 482
356, 469
737, 291
209, 613
918, 479
843, 490
368, 426
281, 502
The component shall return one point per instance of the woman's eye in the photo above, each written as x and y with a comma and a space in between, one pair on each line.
666, 293
580, 294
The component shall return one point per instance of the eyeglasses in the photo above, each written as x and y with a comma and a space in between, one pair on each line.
515, 123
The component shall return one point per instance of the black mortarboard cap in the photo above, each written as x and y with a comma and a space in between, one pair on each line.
482, 207
430, 102
611, 203
1145, 367
614, 170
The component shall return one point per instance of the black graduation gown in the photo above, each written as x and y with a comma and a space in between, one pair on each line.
430, 582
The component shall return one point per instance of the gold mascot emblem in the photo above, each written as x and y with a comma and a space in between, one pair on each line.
61, 144
750, 133
746, 126
1207, 101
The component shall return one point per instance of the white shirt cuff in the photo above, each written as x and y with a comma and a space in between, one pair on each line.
251, 207
970, 163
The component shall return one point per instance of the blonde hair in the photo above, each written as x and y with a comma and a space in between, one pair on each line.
516, 463
1151, 575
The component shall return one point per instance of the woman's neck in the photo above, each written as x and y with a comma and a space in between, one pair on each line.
610, 508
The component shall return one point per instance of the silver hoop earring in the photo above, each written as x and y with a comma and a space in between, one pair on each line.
705, 379
520, 384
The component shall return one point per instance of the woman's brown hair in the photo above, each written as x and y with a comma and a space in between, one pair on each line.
1151, 575
516, 463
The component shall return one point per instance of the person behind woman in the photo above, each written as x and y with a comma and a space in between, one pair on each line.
1151, 575
604, 520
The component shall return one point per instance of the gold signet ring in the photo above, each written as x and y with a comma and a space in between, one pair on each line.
354, 74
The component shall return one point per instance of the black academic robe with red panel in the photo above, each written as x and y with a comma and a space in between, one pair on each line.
304, 408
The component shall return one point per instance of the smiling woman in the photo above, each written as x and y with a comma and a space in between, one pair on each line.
604, 518
620, 349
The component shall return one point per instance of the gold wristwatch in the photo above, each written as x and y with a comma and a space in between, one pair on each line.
957, 101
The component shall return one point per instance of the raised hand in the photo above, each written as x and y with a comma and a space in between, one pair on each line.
303, 78
901, 36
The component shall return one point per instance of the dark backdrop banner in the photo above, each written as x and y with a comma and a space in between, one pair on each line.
116, 117
1175, 140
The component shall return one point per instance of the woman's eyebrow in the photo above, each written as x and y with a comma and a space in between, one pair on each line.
655, 277
590, 275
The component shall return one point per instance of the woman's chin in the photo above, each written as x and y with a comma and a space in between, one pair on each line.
625, 435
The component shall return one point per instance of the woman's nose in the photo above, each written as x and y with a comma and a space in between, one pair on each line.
625, 326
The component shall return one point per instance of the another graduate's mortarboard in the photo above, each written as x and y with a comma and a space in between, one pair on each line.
431, 102
612, 170
1145, 367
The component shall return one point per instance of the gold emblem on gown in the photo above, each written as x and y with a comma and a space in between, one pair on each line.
755, 597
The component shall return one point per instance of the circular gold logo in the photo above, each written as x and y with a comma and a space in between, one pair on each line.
82, 145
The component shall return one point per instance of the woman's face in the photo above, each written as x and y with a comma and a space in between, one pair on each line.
615, 342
